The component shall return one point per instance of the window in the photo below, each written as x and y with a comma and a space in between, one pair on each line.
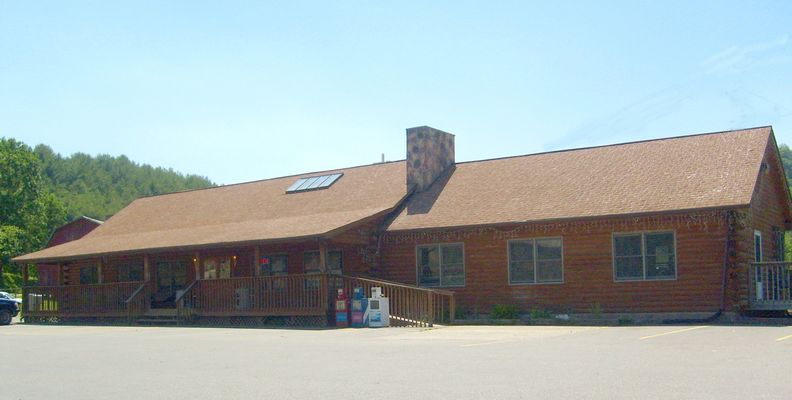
536, 261
757, 246
274, 265
89, 275
644, 256
312, 265
441, 265
217, 267
312, 262
130, 272
778, 247
313, 183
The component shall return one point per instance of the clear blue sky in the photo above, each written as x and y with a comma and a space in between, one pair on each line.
239, 91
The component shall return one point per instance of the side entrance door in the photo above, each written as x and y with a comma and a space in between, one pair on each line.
171, 278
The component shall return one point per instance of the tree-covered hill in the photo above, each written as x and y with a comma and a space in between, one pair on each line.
41, 190
99, 186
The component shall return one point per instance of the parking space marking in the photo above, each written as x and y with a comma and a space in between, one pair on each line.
674, 332
784, 338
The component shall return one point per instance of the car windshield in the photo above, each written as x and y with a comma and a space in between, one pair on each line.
4, 295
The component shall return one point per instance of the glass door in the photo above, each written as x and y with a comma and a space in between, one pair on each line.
171, 277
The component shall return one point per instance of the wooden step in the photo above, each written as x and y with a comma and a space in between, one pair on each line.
157, 321
161, 312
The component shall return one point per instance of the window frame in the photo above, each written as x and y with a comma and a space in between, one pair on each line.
327, 256
643, 234
440, 264
94, 274
758, 257
270, 257
128, 266
535, 254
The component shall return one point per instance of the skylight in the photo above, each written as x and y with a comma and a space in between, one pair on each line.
313, 183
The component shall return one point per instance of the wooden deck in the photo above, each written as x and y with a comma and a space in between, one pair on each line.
770, 286
303, 295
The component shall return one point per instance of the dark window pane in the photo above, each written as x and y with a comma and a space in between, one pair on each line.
627, 245
660, 255
428, 266
521, 271
757, 247
279, 264
548, 271
452, 254
311, 262
88, 275
629, 267
335, 261
521, 250
548, 249
660, 266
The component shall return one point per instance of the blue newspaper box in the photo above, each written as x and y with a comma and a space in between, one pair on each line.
359, 308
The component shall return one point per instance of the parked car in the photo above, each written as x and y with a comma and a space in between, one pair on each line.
9, 308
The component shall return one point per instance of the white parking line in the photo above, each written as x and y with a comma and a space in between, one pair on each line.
784, 338
674, 332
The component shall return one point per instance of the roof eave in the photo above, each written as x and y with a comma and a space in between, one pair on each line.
570, 219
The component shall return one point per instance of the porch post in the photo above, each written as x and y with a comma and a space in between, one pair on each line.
257, 261
25, 275
323, 256
197, 265
99, 268
60, 280
146, 268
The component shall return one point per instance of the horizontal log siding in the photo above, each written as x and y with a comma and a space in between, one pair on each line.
588, 272
767, 211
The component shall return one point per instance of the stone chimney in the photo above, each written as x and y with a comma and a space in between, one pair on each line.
430, 152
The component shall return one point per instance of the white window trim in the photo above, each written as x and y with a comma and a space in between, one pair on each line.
508, 260
440, 264
758, 257
643, 256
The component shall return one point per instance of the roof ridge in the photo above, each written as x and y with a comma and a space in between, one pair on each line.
615, 144
273, 178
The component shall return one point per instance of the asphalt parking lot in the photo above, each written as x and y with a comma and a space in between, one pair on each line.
648, 362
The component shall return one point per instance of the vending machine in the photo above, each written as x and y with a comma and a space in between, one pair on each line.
379, 309
359, 308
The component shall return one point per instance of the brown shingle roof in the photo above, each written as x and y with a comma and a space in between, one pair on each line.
683, 173
255, 211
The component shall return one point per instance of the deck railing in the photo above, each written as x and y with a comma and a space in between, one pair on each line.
409, 305
98, 300
770, 286
303, 295
288, 295
139, 302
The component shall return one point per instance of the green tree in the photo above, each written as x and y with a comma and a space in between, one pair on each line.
28, 211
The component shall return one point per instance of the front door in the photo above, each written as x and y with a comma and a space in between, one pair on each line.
171, 278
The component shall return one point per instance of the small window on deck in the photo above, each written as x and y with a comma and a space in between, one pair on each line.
89, 275
130, 272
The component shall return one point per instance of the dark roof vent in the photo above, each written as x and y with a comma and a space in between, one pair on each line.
313, 183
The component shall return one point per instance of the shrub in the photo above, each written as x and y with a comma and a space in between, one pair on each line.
539, 313
505, 311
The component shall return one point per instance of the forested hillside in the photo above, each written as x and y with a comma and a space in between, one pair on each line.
41, 190
99, 186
